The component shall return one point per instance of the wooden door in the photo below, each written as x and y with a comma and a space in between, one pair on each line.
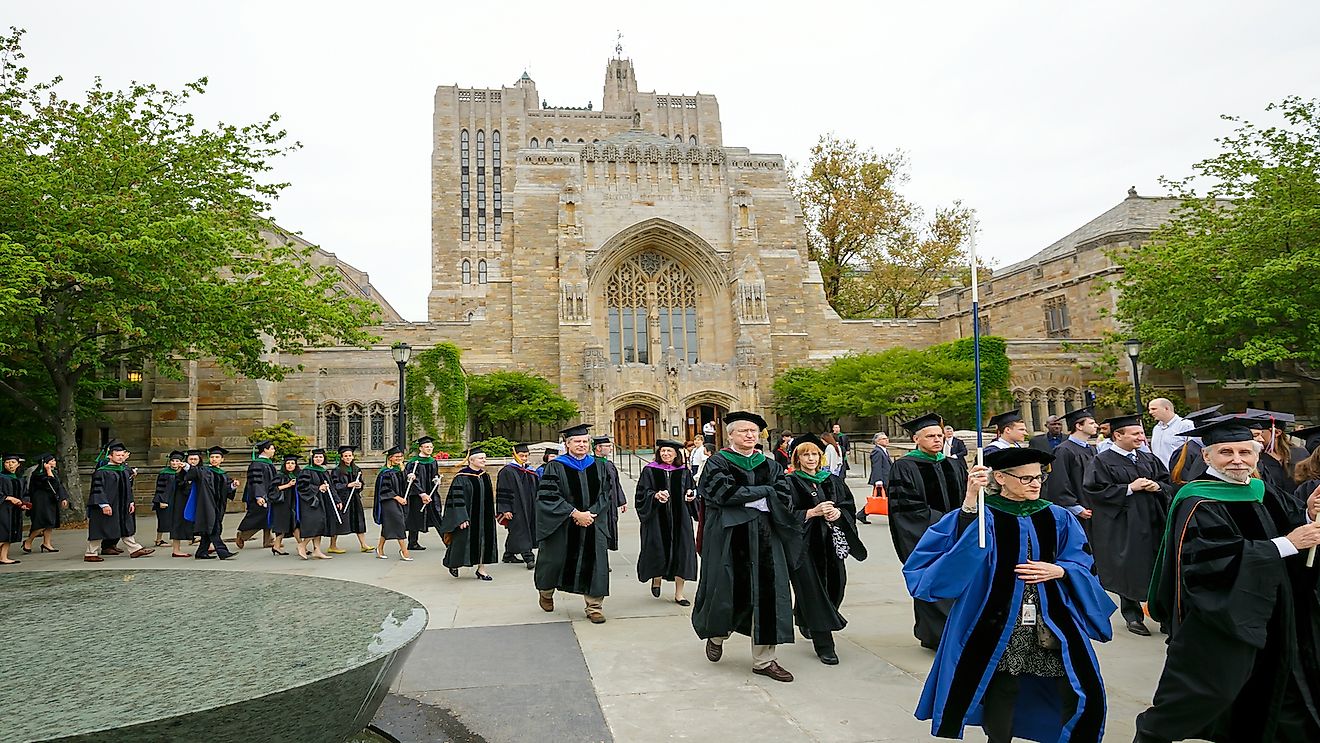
634, 428
696, 418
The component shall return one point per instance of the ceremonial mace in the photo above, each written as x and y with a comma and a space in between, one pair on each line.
976, 369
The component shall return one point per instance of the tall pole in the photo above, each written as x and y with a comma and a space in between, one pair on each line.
399, 429
1136, 385
976, 371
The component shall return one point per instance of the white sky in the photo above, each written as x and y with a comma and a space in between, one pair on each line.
1037, 114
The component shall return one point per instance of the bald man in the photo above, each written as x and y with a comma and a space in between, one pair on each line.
1167, 435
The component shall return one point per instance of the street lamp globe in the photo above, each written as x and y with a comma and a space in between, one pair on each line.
402, 352
1133, 347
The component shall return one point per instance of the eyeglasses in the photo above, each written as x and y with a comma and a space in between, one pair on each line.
1028, 479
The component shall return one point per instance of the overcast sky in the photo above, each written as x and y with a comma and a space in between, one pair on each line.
1039, 115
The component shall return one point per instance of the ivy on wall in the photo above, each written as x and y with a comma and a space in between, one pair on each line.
436, 396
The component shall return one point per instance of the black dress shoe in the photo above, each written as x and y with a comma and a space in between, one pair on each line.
828, 657
453, 572
412, 547
203, 556
1138, 628
714, 652
805, 632
655, 591
511, 560
531, 564
228, 556
930, 645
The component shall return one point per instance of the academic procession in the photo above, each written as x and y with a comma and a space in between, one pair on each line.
1015, 554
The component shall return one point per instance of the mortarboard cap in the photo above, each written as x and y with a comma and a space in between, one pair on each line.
260, 445
295, 457
347, 447
1003, 420
14, 457
318, 451
522, 448
1073, 417
1222, 430
1310, 435
217, 450
194, 452
744, 415
1271, 418
577, 430
807, 438
393, 450
176, 454
475, 450
1204, 414
116, 446
424, 440
920, 422
1123, 421
44, 458
1013, 456
598, 440
676, 446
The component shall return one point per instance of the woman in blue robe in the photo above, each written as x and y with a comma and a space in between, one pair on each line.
1016, 657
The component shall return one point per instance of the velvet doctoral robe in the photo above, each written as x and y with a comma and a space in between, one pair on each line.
1244, 621
668, 543
614, 486
949, 565
569, 557
1126, 527
112, 485
746, 553
515, 493
260, 482
352, 514
471, 498
387, 510
820, 577
922, 488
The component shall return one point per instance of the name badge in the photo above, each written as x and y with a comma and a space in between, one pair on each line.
1028, 615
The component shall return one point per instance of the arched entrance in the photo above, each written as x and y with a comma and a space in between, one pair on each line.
699, 415
634, 428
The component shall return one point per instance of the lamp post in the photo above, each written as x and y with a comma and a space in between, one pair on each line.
401, 352
1133, 347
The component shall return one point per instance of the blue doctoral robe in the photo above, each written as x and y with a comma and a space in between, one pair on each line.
949, 564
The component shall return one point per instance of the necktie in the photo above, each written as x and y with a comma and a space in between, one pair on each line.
1133, 456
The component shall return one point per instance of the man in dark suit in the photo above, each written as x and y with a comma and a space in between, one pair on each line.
1053, 436
881, 461
953, 446
842, 439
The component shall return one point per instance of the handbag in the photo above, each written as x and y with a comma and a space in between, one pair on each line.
877, 503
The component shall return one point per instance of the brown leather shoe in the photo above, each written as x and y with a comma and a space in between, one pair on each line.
238, 541
547, 604
142, 552
714, 652
774, 671
112, 551
596, 617
93, 558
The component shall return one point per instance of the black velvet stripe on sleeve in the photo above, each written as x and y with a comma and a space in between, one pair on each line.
989, 628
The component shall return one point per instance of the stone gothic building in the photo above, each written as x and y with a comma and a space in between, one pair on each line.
657, 275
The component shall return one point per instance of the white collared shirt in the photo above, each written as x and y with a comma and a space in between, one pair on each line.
1165, 438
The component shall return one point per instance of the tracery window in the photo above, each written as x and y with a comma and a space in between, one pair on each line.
467, 271
482, 274
481, 185
355, 426
465, 196
334, 420
377, 427
496, 184
650, 285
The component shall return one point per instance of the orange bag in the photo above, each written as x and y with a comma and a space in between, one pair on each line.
877, 504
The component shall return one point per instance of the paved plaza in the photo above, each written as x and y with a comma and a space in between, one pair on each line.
493, 667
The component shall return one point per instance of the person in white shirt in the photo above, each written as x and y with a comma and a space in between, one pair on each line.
833, 456
1167, 435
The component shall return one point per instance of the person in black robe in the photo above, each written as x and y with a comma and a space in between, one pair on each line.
1128, 491
422, 476
310, 511
750, 540
825, 505
48, 497
390, 504
781, 451
603, 449
346, 484
214, 489
1066, 473
515, 502
257, 492
468, 526
1241, 603
182, 528
572, 526
13, 502
924, 485
1275, 463
546, 455
283, 500
163, 498
666, 504
1186, 463
110, 508
1010, 431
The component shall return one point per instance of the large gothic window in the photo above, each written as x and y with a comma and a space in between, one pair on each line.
650, 286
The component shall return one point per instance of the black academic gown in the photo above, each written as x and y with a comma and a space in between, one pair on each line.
46, 494
1274, 475
353, 516
162, 501
614, 486
1126, 528
820, 578
1067, 472
515, 493
920, 493
388, 511
310, 508
668, 544
420, 517
1242, 664
569, 557
471, 498
1187, 463
11, 514
213, 489
261, 481
181, 527
279, 517
746, 553
112, 485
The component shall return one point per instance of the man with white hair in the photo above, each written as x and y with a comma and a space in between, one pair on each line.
1233, 585
572, 528
750, 541
1167, 435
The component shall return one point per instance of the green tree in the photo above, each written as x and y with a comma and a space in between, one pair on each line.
1229, 278
514, 396
286, 439
145, 231
436, 396
877, 255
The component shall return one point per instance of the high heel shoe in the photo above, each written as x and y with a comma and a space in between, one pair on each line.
453, 572
483, 576
44, 548
27, 550
274, 551
380, 555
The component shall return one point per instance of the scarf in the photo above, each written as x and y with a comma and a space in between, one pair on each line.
578, 464
215, 469
819, 477
663, 466
1017, 508
315, 468
420, 458
919, 454
113, 467
747, 463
